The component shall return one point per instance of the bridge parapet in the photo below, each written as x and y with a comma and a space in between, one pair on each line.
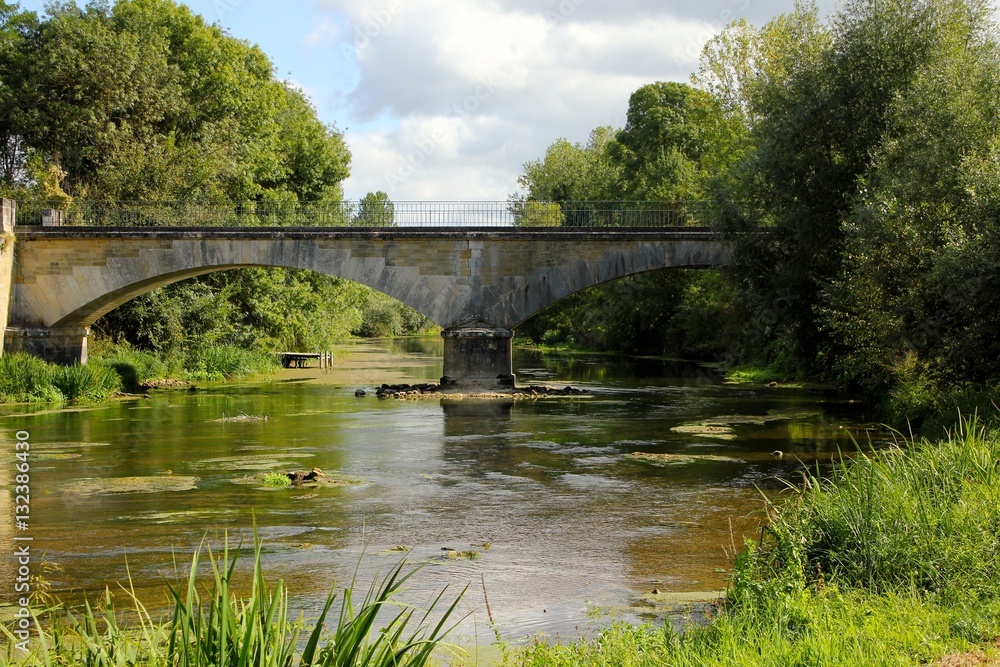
511, 214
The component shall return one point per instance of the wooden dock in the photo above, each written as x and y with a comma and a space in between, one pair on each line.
301, 359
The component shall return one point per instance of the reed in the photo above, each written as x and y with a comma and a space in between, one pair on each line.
220, 629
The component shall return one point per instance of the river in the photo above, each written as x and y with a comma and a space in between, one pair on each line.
570, 529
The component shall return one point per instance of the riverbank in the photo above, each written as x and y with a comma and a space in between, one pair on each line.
120, 369
894, 560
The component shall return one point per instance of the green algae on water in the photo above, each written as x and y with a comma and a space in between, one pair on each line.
665, 460
111, 485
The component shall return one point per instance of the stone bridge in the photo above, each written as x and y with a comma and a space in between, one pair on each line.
478, 284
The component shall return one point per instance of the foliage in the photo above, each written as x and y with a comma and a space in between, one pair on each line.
675, 139
872, 177
143, 100
572, 172
663, 312
383, 317
219, 628
375, 210
262, 309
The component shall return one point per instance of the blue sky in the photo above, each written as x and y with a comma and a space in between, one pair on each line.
446, 100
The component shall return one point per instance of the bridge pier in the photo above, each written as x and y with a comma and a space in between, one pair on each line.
478, 356
62, 346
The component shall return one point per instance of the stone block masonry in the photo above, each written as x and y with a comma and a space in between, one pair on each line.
466, 280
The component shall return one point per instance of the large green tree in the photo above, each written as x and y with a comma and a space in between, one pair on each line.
872, 240
675, 140
144, 100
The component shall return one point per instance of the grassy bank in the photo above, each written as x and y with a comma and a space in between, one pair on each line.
215, 627
113, 369
895, 560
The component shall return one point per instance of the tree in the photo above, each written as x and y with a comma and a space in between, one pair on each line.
375, 210
146, 101
675, 140
872, 139
143, 100
573, 171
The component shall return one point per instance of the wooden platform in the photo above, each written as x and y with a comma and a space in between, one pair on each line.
300, 359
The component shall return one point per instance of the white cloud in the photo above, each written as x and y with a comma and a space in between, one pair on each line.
479, 88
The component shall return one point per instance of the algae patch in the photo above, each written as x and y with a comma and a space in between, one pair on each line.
259, 481
665, 460
706, 430
243, 418
113, 485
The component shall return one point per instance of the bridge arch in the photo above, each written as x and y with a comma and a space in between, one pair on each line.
476, 284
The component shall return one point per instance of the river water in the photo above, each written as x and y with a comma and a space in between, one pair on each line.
570, 528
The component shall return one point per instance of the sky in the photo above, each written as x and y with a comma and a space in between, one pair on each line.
446, 100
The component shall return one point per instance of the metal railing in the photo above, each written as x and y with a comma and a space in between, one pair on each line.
512, 214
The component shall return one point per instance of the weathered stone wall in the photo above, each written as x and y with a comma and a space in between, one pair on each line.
66, 278
8, 213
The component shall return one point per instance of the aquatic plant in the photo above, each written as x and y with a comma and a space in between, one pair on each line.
219, 629
276, 479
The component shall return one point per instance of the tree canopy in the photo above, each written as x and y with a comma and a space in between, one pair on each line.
863, 150
144, 100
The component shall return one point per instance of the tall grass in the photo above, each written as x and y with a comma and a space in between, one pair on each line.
218, 362
135, 367
218, 629
93, 381
25, 378
927, 518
